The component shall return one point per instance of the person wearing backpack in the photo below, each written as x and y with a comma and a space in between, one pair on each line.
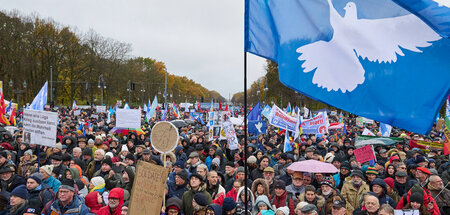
39, 193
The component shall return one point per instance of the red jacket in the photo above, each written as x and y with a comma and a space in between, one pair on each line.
232, 193
427, 198
114, 193
91, 202
280, 201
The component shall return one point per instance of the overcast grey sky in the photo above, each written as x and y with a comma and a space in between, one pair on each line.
200, 39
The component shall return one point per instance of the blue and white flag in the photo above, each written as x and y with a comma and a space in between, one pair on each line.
164, 115
257, 127
385, 129
126, 106
40, 100
8, 108
255, 114
366, 57
280, 119
287, 144
266, 111
436, 13
152, 109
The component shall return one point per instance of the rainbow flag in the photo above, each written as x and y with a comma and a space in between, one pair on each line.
175, 110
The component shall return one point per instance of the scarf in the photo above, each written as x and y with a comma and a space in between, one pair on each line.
100, 188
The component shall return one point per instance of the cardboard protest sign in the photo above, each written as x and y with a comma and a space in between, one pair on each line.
128, 118
230, 135
164, 137
40, 127
148, 189
359, 122
364, 154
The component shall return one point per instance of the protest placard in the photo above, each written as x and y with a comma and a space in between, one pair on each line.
364, 154
359, 122
280, 119
39, 127
164, 137
95, 116
406, 212
316, 125
77, 112
230, 134
148, 189
101, 109
128, 118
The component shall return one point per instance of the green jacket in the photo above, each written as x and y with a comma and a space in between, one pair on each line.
189, 195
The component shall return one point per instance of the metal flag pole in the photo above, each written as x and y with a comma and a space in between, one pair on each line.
245, 108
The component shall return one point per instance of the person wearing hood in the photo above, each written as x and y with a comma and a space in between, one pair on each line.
115, 202
353, 189
39, 193
173, 206
260, 187
196, 185
262, 203
199, 204
179, 186
420, 196
214, 209
240, 201
179, 154
94, 201
379, 187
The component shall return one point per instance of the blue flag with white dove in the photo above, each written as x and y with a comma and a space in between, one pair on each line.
372, 58
385, 129
40, 100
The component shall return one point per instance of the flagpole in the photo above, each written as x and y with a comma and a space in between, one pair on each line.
246, 197
245, 129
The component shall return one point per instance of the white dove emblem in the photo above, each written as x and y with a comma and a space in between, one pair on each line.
259, 126
445, 3
336, 62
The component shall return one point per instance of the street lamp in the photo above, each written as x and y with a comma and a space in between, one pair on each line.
102, 86
18, 91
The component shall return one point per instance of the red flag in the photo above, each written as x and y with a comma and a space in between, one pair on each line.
220, 105
226, 108
12, 118
198, 106
242, 110
2, 104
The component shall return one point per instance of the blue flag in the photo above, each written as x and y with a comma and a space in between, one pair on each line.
164, 116
257, 127
366, 57
287, 143
255, 114
436, 13
40, 100
8, 108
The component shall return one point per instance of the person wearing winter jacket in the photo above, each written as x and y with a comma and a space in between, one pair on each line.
440, 193
428, 200
94, 201
379, 187
214, 188
281, 198
67, 202
240, 202
310, 197
115, 202
262, 203
353, 189
214, 209
38, 193
196, 185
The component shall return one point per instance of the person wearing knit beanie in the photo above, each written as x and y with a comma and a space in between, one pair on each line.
228, 204
417, 198
20, 191
107, 161
371, 173
47, 170
97, 183
182, 174
37, 177
200, 199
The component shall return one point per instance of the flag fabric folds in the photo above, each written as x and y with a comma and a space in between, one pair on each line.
364, 57
40, 100
447, 128
176, 113
385, 129
287, 144
255, 114
12, 117
436, 13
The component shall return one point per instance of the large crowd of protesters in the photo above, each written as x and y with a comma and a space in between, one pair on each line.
91, 171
